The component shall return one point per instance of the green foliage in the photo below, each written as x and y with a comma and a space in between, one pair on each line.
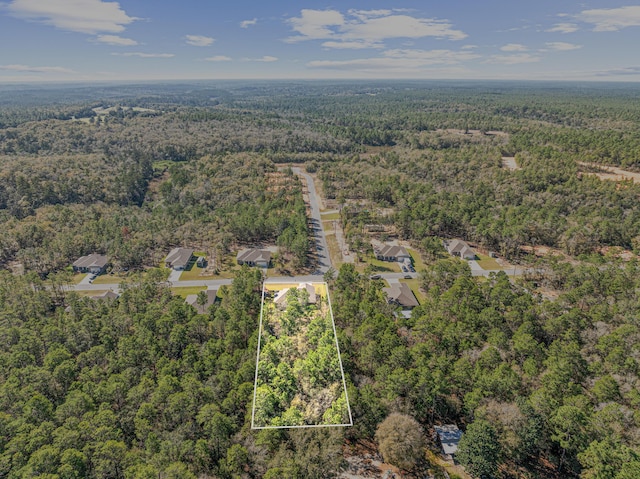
479, 450
401, 441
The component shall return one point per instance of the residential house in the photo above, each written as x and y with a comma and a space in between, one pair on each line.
393, 253
449, 436
280, 298
311, 290
401, 294
106, 295
94, 263
254, 257
178, 258
192, 299
461, 249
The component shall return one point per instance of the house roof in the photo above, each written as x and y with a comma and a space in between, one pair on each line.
179, 257
106, 295
393, 251
254, 255
466, 251
449, 436
192, 299
456, 246
311, 289
401, 294
91, 260
280, 296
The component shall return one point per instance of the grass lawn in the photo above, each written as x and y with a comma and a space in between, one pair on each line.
334, 250
418, 263
383, 266
414, 284
110, 279
320, 287
194, 274
330, 216
78, 277
486, 262
186, 291
90, 293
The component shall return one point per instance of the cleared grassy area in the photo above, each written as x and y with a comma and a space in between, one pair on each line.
76, 278
330, 216
383, 266
418, 263
321, 288
193, 274
186, 291
486, 262
90, 293
334, 250
110, 279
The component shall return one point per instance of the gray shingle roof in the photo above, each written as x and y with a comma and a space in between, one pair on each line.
192, 299
401, 294
91, 260
254, 256
179, 257
449, 436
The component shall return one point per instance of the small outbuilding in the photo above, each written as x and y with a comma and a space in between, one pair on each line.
106, 295
448, 436
93, 263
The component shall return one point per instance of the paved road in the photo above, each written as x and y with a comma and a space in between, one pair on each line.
324, 261
215, 283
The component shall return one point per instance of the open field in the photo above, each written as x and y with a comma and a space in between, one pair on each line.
186, 291
330, 216
418, 262
611, 173
110, 279
488, 263
509, 162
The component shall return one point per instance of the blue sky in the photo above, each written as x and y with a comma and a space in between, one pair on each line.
84, 40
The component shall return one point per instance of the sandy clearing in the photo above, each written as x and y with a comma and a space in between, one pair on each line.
510, 163
611, 173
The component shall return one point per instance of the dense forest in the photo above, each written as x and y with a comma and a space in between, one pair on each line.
540, 371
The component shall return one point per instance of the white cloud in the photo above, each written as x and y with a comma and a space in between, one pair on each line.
620, 72
513, 59
266, 59
27, 68
611, 19
366, 28
248, 23
144, 55
354, 45
199, 40
116, 40
401, 60
563, 28
313, 24
218, 58
514, 47
562, 46
469, 47
84, 16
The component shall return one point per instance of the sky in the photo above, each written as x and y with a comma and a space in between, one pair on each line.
136, 40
